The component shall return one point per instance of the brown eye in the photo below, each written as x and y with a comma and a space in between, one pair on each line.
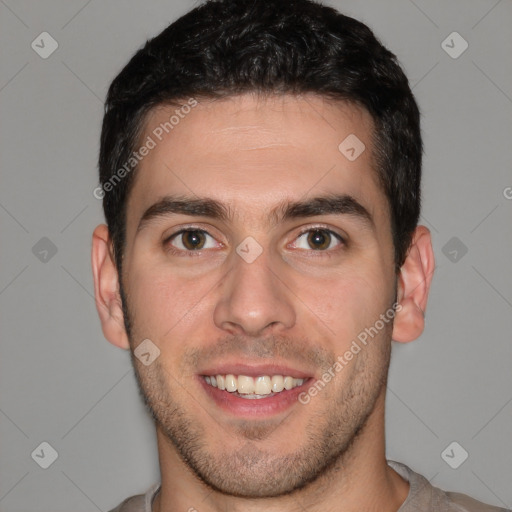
318, 240
191, 240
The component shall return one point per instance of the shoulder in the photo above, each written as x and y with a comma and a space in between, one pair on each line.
133, 504
138, 503
425, 497
463, 503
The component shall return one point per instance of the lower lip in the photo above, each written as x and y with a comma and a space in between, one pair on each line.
256, 407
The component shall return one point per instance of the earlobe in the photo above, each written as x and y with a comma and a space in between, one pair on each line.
106, 289
413, 287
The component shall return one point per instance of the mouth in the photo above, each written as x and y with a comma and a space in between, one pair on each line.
250, 388
254, 393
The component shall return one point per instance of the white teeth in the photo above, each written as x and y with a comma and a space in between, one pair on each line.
230, 383
250, 387
277, 383
245, 385
262, 386
288, 383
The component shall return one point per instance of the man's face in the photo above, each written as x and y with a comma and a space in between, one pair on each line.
256, 288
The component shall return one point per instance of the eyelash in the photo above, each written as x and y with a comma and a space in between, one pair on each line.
328, 252
181, 252
190, 253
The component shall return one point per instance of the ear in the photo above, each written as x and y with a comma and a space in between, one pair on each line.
413, 287
106, 288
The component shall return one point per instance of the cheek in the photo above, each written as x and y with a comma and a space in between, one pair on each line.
349, 301
166, 305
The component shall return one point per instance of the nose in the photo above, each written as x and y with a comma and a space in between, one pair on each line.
254, 299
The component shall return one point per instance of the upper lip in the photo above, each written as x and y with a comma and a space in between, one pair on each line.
254, 370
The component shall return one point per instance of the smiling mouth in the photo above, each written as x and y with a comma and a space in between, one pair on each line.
248, 387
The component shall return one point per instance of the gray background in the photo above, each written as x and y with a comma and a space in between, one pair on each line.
64, 384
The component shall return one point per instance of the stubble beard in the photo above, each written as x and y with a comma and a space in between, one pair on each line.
251, 471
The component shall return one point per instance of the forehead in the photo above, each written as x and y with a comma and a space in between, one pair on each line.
253, 152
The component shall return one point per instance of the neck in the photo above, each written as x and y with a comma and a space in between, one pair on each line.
359, 480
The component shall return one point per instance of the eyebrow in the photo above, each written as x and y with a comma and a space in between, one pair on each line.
341, 204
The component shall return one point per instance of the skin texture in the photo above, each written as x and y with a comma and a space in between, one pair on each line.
292, 305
